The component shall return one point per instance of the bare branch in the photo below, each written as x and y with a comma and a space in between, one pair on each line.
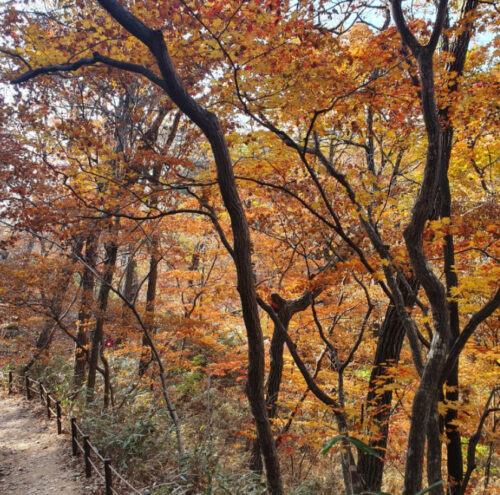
313, 386
89, 61
408, 37
476, 319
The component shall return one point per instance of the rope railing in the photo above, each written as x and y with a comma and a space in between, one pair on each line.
80, 441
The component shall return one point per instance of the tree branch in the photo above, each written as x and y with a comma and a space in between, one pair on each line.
313, 386
89, 61
476, 319
408, 37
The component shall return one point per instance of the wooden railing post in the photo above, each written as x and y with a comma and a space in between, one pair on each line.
48, 406
58, 415
86, 453
74, 445
107, 476
10, 382
27, 382
40, 387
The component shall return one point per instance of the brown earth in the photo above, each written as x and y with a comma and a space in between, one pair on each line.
34, 460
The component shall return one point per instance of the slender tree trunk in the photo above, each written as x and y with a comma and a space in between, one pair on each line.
130, 284
285, 310
459, 49
454, 443
434, 454
111, 250
86, 305
150, 305
108, 389
378, 404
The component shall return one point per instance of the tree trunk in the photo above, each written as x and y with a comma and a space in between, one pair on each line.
85, 312
285, 311
150, 305
111, 250
130, 284
434, 455
378, 404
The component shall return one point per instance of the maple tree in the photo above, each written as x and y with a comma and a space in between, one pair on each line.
340, 145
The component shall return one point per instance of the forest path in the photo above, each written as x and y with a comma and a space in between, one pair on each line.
33, 460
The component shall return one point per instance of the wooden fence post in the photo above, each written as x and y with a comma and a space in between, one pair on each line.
58, 414
74, 445
86, 452
27, 382
107, 476
108, 473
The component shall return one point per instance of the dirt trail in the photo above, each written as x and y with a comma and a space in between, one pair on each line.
33, 460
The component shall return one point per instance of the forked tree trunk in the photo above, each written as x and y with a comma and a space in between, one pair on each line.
285, 310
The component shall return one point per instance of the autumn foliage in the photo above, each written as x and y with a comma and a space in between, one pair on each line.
231, 231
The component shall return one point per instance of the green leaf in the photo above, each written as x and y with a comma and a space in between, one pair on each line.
354, 441
428, 489
328, 445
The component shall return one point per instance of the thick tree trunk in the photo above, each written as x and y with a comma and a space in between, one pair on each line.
248, 297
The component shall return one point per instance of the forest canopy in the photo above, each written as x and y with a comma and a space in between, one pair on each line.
256, 243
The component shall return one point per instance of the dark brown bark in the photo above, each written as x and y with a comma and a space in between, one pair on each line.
130, 284
434, 455
428, 391
111, 251
154, 260
378, 404
454, 444
210, 126
86, 306
285, 310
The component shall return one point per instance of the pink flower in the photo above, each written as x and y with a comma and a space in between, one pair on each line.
109, 342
